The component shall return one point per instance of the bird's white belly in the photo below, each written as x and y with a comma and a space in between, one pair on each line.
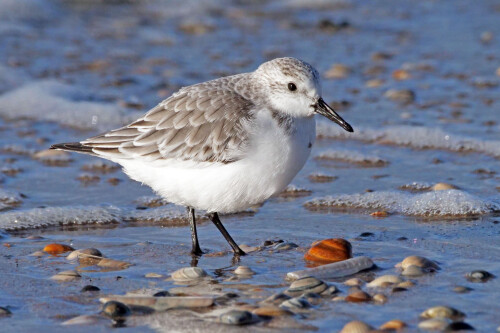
272, 162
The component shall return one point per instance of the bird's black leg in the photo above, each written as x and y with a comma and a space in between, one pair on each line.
214, 217
195, 250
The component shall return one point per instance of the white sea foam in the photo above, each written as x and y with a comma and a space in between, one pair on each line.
354, 157
418, 137
50, 100
429, 204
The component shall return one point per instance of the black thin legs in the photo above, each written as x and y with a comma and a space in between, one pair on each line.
214, 217
195, 250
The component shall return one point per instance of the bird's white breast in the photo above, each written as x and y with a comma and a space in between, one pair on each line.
273, 159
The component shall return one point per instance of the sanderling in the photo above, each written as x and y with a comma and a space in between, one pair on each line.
223, 145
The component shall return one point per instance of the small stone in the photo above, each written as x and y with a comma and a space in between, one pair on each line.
89, 253
374, 83
4, 312
443, 187
161, 303
435, 324
405, 284
459, 326
486, 37
113, 264
295, 303
163, 293
358, 297
271, 311
462, 289
338, 299
356, 326
66, 276
393, 325
384, 281
236, 317
57, 248
354, 282
276, 298
188, 274
337, 71
53, 157
401, 74
413, 270
153, 276
404, 96
426, 264
479, 276
243, 270
89, 288
331, 290
379, 298
38, 254
380, 213
443, 312
308, 284
115, 310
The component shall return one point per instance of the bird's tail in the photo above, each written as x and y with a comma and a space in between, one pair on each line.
74, 146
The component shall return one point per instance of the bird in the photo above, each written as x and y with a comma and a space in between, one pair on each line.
223, 145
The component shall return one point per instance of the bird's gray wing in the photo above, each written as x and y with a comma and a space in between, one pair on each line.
204, 122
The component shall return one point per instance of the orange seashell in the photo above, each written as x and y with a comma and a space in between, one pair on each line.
57, 248
381, 213
329, 250
401, 74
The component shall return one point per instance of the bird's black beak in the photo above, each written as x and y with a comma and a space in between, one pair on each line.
325, 110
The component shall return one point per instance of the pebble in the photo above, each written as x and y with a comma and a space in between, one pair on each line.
89, 253
153, 275
89, 288
337, 71
37, 254
384, 281
57, 248
113, 264
295, 303
336, 269
435, 324
243, 270
405, 96
66, 276
276, 298
374, 83
358, 297
236, 317
393, 325
459, 326
443, 312
85, 320
163, 293
405, 284
356, 326
379, 298
401, 74
479, 276
331, 290
115, 310
162, 303
354, 282
271, 311
188, 274
462, 289
329, 250
413, 270
4, 312
428, 265
486, 37
307, 284
443, 187
338, 299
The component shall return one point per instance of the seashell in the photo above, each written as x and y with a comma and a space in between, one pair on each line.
57, 248
384, 281
401, 74
163, 293
443, 187
115, 310
358, 297
338, 299
329, 250
295, 303
331, 290
85, 320
38, 254
271, 311
161, 303
418, 261
4, 312
479, 276
243, 270
459, 326
405, 284
379, 298
307, 284
413, 270
335, 270
354, 282
381, 213
113, 264
153, 276
85, 253
443, 312
249, 249
284, 246
462, 289
435, 324
89, 288
393, 325
66, 276
236, 317
337, 71
356, 326
188, 274
276, 298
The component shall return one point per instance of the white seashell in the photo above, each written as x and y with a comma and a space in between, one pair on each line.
418, 261
356, 326
435, 324
306, 285
413, 270
443, 312
384, 280
243, 270
66, 276
335, 270
188, 274
354, 282
85, 320
85, 253
162, 303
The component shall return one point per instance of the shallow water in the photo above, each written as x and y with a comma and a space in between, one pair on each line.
71, 69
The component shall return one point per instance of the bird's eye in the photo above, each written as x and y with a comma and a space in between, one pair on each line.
292, 86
